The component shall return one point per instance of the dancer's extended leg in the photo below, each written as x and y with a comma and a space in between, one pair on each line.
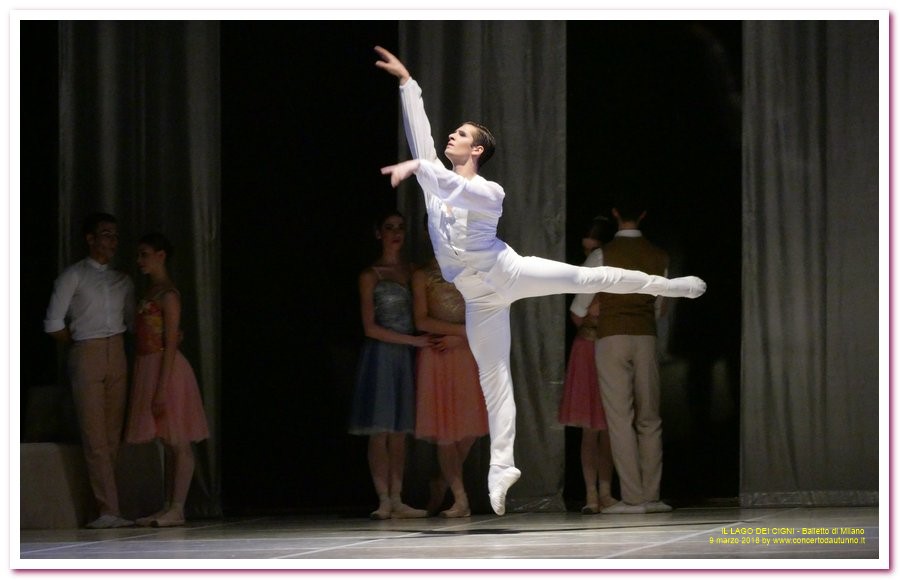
524, 277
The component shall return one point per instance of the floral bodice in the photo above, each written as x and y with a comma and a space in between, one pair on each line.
149, 326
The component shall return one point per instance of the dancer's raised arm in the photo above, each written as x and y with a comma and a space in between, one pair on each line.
415, 121
391, 64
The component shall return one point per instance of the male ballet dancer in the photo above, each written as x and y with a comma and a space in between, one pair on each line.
463, 211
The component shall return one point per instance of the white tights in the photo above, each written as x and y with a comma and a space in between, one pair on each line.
488, 297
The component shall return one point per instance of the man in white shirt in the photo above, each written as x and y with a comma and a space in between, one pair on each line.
463, 212
90, 309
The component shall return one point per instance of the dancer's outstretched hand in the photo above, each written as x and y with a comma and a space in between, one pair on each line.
391, 64
400, 171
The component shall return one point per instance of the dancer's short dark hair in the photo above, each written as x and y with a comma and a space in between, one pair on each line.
484, 138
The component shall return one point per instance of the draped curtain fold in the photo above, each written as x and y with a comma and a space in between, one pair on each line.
810, 397
510, 76
140, 138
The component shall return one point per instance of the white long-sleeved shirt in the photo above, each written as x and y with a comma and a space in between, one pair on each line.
462, 213
97, 300
582, 302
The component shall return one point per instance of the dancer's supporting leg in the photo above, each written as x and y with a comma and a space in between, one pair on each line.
487, 329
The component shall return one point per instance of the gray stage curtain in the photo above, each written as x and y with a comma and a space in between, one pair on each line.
139, 138
510, 76
810, 333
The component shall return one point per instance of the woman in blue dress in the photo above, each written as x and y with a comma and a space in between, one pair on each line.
383, 406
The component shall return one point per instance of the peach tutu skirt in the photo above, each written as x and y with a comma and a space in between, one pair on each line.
581, 405
183, 418
449, 401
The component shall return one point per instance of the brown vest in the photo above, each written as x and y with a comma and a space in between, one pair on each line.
632, 314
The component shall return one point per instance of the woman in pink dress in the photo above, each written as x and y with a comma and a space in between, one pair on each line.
581, 405
450, 409
165, 399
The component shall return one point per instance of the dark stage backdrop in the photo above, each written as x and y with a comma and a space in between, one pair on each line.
308, 121
810, 419
305, 122
39, 120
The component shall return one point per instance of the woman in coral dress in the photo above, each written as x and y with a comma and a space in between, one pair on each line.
165, 399
450, 409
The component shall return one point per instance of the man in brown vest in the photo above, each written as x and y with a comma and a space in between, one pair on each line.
627, 366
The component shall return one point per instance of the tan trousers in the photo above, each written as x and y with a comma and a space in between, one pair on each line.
629, 384
98, 371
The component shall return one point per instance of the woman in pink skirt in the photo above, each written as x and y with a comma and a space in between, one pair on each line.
581, 405
165, 400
